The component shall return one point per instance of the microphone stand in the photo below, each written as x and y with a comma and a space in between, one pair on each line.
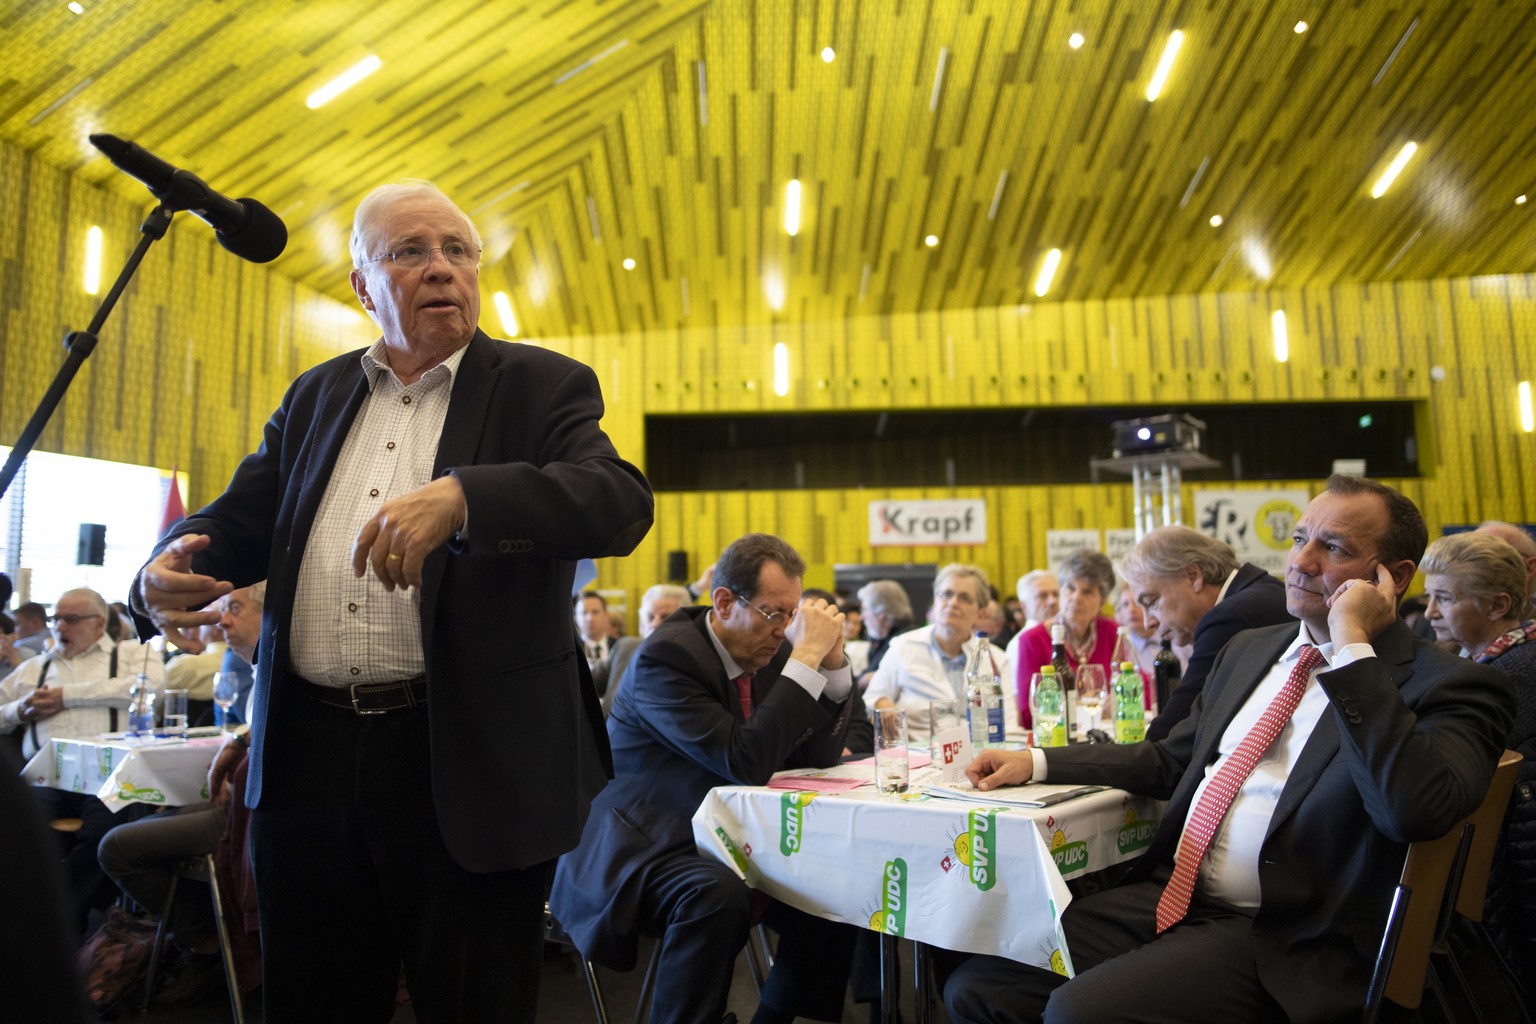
81, 344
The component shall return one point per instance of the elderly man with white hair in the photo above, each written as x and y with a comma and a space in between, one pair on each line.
74, 690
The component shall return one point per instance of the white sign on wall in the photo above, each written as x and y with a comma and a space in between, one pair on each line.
922, 523
1061, 543
1258, 524
1118, 542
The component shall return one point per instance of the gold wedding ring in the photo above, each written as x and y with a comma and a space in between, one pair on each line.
392, 555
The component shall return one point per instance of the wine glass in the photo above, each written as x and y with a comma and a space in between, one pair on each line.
225, 687
1045, 707
1091, 688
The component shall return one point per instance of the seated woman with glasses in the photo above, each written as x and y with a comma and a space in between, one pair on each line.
928, 664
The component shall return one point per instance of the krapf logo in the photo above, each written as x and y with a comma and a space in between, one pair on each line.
983, 835
1136, 833
915, 523
792, 807
892, 918
1070, 855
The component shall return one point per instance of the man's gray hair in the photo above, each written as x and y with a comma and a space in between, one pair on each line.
959, 570
87, 594
1169, 550
661, 592
365, 230
259, 593
1028, 580
886, 597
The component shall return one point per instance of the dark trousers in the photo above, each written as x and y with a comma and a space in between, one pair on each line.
702, 912
88, 885
353, 879
142, 857
1203, 969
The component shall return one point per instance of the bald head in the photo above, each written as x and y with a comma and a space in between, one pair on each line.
1522, 542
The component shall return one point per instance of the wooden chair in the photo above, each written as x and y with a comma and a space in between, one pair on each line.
1440, 876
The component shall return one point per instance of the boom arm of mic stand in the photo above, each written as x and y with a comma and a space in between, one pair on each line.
80, 345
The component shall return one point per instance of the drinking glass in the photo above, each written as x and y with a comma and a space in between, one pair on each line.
1091, 688
1045, 707
225, 686
891, 766
174, 724
944, 715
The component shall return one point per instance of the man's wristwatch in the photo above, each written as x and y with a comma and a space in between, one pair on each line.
241, 734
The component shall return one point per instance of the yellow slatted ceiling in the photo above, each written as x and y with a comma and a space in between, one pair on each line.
584, 132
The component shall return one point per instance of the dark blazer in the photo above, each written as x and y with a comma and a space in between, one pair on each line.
506, 688
1407, 750
1254, 599
677, 732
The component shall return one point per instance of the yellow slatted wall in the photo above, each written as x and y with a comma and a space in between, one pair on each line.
204, 344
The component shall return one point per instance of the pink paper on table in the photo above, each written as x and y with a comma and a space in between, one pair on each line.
819, 783
915, 759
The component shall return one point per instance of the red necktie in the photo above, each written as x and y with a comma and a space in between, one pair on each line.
1223, 787
744, 691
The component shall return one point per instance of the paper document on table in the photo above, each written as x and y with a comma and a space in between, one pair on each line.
1033, 794
836, 779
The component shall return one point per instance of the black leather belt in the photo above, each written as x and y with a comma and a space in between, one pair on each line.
369, 698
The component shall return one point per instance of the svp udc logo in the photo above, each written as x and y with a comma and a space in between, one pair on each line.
923, 523
792, 820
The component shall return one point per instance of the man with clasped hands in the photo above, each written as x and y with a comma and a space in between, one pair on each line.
427, 739
1377, 740
718, 695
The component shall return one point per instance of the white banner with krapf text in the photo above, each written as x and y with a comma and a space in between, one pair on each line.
921, 523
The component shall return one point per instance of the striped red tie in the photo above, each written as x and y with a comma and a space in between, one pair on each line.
1223, 787
744, 691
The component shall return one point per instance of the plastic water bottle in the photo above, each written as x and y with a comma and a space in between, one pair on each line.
1130, 716
978, 686
141, 707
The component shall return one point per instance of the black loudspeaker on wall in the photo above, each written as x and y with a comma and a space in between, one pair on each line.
677, 566
93, 544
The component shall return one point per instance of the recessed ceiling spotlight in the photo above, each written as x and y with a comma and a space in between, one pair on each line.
1301, 27
828, 54
1076, 40
1216, 220
629, 263
931, 241
1519, 200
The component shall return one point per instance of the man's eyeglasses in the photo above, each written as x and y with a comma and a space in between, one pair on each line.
958, 596
416, 257
71, 619
772, 618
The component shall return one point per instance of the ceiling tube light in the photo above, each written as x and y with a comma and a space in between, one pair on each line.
1395, 168
1282, 338
1164, 66
92, 281
344, 81
1047, 271
1527, 414
504, 310
792, 208
781, 369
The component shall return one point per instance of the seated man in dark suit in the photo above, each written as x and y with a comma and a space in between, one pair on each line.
1195, 592
724, 694
1317, 751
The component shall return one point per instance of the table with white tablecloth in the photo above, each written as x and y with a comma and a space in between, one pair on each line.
974, 877
123, 770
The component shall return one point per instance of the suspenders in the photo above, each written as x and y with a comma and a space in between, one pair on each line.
42, 676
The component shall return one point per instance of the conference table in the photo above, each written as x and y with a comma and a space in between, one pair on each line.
977, 877
123, 770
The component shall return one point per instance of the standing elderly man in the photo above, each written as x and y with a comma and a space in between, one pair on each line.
1316, 753
719, 695
1195, 592
424, 726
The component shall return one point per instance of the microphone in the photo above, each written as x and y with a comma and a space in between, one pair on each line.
243, 226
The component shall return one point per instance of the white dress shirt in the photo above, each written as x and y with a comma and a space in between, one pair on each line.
347, 629
89, 692
1230, 870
